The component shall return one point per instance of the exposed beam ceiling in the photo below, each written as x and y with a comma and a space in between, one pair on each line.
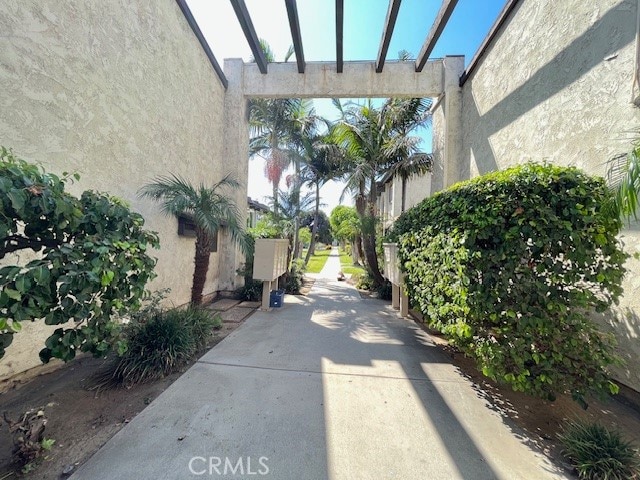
389, 24
250, 33
339, 31
436, 29
294, 24
203, 43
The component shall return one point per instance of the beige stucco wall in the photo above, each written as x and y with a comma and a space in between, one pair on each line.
119, 92
556, 86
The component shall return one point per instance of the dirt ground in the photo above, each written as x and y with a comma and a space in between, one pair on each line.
81, 420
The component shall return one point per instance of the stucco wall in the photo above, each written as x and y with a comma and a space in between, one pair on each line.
555, 85
120, 92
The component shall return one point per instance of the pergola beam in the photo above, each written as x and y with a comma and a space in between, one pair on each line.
434, 34
250, 33
339, 32
294, 25
389, 24
203, 42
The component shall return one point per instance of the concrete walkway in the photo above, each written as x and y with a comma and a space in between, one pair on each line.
329, 386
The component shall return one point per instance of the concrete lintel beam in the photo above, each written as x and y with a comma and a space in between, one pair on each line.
358, 79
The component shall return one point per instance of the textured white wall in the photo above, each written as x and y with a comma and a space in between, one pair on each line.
120, 92
556, 85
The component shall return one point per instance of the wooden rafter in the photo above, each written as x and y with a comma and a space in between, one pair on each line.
203, 42
250, 33
294, 25
339, 32
436, 29
389, 24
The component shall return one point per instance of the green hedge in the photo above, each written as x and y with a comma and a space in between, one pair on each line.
510, 265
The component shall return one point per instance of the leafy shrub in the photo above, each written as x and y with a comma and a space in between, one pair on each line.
509, 266
250, 291
364, 281
92, 262
162, 342
599, 453
200, 321
384, 291
155, 348
295, 277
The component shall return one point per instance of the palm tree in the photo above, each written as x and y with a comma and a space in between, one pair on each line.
623, 177
210, 210
271, 121
375, 141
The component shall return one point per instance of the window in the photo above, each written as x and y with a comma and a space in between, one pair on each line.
187, 228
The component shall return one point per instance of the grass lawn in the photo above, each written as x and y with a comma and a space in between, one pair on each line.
317, 261
347, 266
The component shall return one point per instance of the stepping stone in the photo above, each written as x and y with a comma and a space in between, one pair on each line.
224, 304
236, 315
247, 304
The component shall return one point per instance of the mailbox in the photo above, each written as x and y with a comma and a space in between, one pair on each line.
269, 263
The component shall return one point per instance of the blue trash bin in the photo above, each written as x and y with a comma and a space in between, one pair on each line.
275, 298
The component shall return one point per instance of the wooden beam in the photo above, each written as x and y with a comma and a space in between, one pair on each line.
294, 25
389, 24
203, 42
339, 36
436, 29
250, 33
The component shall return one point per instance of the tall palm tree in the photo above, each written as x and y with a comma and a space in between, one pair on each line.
375, 141
210, 210
271, 121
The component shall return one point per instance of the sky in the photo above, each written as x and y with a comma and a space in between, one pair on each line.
363, 25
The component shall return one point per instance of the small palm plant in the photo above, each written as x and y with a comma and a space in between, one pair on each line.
210, 210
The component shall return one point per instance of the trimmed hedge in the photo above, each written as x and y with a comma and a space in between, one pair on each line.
510, 265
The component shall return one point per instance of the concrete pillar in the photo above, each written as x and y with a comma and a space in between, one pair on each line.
395, 296
266, 295
236, 161
404, 303
447, 128
452, 105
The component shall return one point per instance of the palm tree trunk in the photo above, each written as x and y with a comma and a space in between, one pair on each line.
369, 237
201, 266
314, 230
404, 194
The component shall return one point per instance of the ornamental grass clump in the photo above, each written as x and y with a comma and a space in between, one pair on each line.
510, 267
598, 453
162, 342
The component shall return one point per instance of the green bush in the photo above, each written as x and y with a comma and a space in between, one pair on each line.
295, 277
161, 342
384, 291
251, 290
364, 281
598, 453
510, 265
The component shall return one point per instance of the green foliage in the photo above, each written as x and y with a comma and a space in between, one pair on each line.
251, 290
318, 260
161, 341
304, 236
345, 224
510, 265
598, 453
384, 291
91, 260
363, 281
295, 277
623, 177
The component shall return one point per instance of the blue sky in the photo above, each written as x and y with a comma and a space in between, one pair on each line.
363, 24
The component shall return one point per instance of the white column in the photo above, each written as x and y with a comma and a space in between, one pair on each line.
236, 161
452, 105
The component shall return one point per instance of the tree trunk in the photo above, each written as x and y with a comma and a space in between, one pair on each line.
404, 194
201, 266
369, 237
314, 230
359, 250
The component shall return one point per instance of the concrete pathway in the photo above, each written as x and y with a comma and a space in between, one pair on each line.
329, 386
